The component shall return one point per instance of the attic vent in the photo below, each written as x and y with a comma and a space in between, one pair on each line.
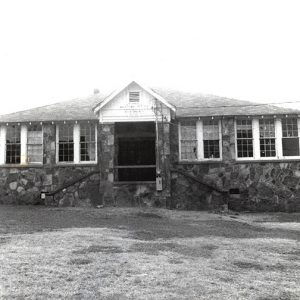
134, 96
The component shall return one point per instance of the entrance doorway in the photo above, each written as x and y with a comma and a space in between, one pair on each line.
135, 158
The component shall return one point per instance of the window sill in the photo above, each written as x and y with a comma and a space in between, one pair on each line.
22, 166
191, 162
133, 182
87, 164
272, 160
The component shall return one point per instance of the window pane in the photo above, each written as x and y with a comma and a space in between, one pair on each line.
13, 144
34, 144
267, 138
87, 142
188, 141
66, 133
290, 146
245, 148
289, 127
267, 148
211, 130
35, 153
267, 128
189, 150
244, 138
211, 149
66, 145
188, 130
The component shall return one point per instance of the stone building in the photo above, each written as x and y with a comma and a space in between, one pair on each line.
142, 146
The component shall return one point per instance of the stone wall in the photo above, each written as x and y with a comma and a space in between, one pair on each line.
138, 194
23, 184
106, 137
263, 185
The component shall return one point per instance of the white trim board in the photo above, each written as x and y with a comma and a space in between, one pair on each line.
148, 90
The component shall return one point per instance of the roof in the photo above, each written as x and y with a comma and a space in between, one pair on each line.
76, 109
200, 105
186, 104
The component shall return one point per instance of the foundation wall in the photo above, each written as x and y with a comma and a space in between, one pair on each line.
262, 185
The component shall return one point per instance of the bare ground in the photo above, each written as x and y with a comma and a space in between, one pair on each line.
119, 253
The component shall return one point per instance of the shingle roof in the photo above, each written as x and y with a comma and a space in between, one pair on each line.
198, 105
187, 105
76, 109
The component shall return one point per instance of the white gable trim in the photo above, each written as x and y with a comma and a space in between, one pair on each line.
115, 93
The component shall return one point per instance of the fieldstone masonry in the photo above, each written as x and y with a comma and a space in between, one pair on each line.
107, 139
23, 184
263, 185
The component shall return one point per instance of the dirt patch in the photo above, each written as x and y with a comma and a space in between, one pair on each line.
148, 215
259, 267
80, 261
175, 261
99, 248
279, 296
4, 240
248, 265
154, 248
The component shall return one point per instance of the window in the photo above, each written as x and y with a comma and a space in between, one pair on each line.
267, 138
34, 144
211, 142
188, 140
66, 143
134, 96
244, 138
13, 144
87, 142
290, 137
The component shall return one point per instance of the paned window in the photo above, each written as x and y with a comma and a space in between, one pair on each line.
87, 142
290, 137
66, 143
13, 144
134, 96
188, 140
211, 140
34, 144
244, 138
267, 138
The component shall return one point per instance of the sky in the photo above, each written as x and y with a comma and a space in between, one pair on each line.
52, 51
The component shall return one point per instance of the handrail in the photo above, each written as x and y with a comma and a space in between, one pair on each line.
135, 167
198, 180
53, 193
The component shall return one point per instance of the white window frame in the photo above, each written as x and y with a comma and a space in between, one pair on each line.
200, 143
96, 156
255, 145
257, 152
25, 150
23, 158
256, 141
298, 127
76, 141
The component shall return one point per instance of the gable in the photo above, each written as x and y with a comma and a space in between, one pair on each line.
133, 103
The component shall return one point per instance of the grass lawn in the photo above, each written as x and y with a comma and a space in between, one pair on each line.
121, 253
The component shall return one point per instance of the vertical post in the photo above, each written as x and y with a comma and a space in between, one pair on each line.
278, 135
199, 136
157, 141
255, 136
2, 144
23, 144
76, 136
